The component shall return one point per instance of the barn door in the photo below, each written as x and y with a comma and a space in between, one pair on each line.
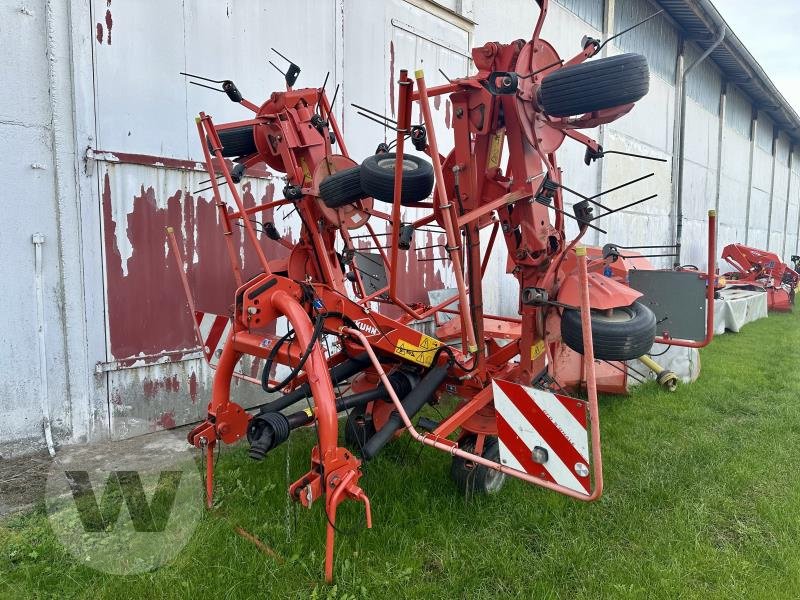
145, 160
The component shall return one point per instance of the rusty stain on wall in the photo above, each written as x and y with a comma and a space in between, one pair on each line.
166, 420
109, 25
100, 32
151, 386
146, 304
421, 274
193, 387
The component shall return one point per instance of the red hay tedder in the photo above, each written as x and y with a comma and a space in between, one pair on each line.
512, 417
765, 270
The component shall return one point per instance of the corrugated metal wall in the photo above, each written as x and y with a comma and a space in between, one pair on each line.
120, 356
590, 11
791, 244
656, 39
701, 165
780, 195
734, 189
704, 82
738, 112
761, 184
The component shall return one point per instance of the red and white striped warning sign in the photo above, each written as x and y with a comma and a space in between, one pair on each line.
214, 331
543, 434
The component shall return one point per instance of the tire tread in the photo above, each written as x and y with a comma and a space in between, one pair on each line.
595, 85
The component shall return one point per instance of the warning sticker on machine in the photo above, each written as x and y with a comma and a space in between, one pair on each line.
537, 350
421, 354
495, 151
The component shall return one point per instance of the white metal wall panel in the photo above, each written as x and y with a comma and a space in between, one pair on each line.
639, 132
233, 40
151, 109
652, 121
793, 215
590, 11
757, 235
765, 132
656, 39
702, 134
151, 112
140, 98
647, 223
380, 39
564, 29
419, 40
514, 20
30, 206
734, 187
738, 111
780, 189
704, 82
760, 193
700, 180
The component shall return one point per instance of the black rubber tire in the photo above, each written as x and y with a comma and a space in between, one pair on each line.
237, 141
358, 428
628, 333
477, 479
377, 178
595, 85
341, 188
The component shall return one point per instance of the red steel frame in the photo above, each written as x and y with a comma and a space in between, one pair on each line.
764, 269
472, 192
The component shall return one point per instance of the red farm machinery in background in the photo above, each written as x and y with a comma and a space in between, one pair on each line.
764, 270
343, 354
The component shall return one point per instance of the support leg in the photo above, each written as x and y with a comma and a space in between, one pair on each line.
209, 475
345, 488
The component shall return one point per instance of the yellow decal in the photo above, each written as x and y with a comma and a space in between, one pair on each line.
422, 354
306, 171
495, 149
537, 350
309, 412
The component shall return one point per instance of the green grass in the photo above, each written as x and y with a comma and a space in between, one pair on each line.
702, 500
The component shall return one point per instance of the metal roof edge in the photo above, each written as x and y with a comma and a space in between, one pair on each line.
770, 100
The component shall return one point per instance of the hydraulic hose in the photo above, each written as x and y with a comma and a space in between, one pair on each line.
339, 373
412, 403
